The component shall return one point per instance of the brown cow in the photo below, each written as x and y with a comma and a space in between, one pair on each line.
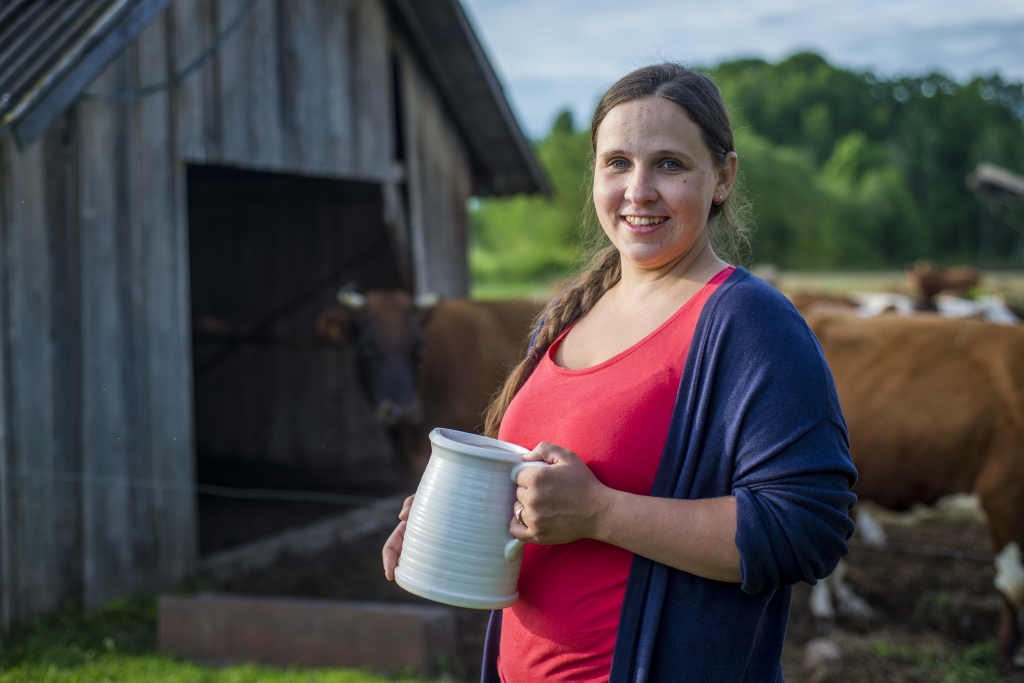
810, 303
936, 406
427, 363
927, 281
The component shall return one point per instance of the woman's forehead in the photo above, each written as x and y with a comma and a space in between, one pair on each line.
648, 124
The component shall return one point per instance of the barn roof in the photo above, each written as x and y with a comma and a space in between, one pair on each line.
460, 67
50, 50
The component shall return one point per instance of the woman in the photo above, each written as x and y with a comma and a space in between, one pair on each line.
700, 463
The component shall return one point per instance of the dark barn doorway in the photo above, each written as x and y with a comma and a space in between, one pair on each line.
276, 407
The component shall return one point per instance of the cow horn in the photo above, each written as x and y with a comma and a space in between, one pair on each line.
350, 299
427, 300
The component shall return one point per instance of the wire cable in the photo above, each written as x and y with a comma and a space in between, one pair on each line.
178, 78
189, 488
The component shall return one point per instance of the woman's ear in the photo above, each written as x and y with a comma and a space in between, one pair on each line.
727, 177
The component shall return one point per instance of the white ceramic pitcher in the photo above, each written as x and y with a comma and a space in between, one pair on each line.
457, 548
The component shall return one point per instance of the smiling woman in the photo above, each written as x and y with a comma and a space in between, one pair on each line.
699, 459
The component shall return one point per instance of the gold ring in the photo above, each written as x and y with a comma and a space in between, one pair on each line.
519, 515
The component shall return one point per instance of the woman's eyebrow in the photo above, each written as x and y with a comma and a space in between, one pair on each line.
657, 153
673, 153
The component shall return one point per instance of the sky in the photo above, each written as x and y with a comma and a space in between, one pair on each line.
552, 54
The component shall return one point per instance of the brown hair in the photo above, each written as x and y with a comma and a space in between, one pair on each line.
698, 95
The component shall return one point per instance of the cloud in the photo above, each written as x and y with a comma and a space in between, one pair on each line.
564, 53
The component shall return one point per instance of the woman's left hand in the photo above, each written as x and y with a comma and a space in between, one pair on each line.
560, 503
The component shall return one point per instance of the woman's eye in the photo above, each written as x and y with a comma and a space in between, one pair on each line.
672, 165
619, 163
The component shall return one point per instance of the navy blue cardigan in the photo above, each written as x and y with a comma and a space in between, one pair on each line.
756, 417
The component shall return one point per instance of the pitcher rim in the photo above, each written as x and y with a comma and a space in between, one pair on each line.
477, 445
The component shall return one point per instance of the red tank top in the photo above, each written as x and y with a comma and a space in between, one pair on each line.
615, 416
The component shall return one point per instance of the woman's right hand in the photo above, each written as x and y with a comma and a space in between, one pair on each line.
393, 547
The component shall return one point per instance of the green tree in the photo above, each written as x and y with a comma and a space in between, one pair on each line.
842, 169
531, 237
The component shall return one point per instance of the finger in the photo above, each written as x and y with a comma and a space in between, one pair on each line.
520, 531
517, 509
406, 506
549, 453
393, 551
522, 496
535, 454
542, 453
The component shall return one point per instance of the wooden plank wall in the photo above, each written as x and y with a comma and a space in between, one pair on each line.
301, 87
96, 425
439, 181
97, 495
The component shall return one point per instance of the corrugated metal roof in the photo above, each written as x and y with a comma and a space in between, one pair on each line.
33, 37
51, 49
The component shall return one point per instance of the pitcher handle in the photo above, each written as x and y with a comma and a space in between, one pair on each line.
513, 547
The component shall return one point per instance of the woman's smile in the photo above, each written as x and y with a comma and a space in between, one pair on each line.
644, 225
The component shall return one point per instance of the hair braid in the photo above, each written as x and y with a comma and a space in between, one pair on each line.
601, 275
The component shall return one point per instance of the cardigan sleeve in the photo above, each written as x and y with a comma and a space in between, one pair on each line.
791, 465
792, 515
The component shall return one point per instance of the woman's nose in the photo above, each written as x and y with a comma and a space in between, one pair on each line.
641, 187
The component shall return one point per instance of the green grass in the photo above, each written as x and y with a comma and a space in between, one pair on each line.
529, 289
118, 643
162, 669
974, 664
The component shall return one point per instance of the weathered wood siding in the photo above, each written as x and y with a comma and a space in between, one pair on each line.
97, 497
302, 86
439, 182
97, 445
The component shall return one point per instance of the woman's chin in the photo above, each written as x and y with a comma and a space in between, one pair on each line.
648, 256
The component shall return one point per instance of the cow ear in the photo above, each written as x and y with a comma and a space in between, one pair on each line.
351, 299
336, 325
426, 301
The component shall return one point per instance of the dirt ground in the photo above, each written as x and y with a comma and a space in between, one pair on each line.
936, 616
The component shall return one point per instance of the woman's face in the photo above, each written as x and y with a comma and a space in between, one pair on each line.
655, 180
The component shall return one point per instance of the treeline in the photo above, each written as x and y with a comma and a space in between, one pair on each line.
841, 169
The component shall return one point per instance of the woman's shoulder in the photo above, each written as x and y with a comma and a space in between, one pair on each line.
759, 333
747, 298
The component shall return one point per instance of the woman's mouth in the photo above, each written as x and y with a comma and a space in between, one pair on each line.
644, 224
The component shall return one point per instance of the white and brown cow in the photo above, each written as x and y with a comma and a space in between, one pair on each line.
934, 407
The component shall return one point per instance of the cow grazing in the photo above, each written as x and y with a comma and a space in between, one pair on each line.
928, 281
934, 407
427, 363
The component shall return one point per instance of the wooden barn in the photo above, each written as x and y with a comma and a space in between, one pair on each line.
183, 186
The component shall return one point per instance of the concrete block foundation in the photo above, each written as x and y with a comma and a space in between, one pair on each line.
383, 637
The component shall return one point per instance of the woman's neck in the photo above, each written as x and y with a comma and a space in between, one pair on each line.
690, 271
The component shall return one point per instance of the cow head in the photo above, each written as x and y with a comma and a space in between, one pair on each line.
387, 328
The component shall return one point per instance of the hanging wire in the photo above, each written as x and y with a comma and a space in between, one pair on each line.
184, 487
178, 78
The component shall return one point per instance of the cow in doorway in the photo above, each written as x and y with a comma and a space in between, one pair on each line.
426, 362
934, 407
